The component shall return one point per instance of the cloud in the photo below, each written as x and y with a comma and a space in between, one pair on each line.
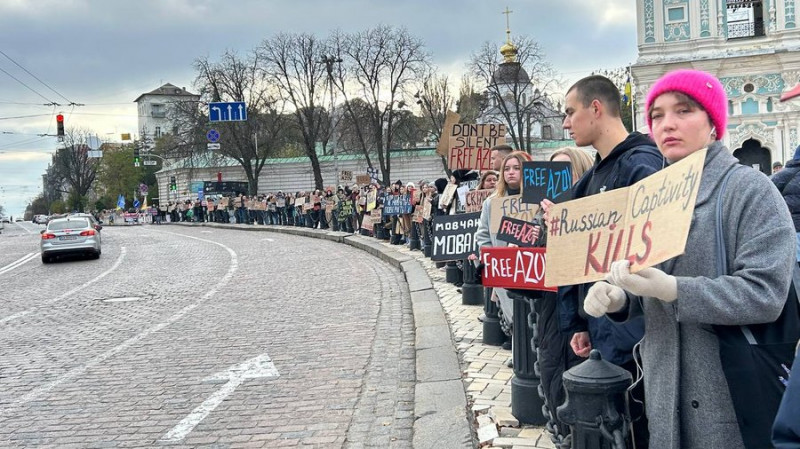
23, 156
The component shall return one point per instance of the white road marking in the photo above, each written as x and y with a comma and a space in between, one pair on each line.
71, 292
267, 240
38, 392
24, 228
207, 232
19, 262
254, 368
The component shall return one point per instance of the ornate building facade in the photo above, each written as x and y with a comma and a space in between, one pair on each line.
750, 45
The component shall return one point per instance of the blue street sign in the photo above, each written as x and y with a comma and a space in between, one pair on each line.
227, 112
212, 135
200, 194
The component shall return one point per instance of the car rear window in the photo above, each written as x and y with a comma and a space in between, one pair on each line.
68, 224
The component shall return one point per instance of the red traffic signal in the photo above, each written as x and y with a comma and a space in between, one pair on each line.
60, 125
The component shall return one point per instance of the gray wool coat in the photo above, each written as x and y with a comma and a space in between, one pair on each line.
484, 237
687, 398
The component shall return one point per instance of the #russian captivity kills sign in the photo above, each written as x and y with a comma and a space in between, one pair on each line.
510, 267
471, 145
646, 223
454, 236
550, 180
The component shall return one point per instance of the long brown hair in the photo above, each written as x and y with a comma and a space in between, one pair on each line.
520, 156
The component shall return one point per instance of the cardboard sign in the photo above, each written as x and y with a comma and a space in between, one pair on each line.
475, 199
299, 201
258, 205
510, 267
447, 195
646, 223
450, 119
417, 216
518, 232
223, 202
471, 145
363, 180
250, 204
345, 175
510, 206
372, 200
454, 236
397, 205
376, 214
550, 180
280, 202
426, 209
367, 223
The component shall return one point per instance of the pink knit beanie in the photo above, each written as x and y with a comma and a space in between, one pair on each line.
702, 87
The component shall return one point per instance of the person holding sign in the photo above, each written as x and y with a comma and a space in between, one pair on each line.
686, 299
593, 117
509, 184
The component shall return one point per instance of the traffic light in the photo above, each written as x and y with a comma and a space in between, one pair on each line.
173, 185
60, 125
136, 156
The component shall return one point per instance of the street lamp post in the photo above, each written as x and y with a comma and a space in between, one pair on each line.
329, 60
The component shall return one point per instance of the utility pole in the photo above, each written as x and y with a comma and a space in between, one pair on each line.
329, 60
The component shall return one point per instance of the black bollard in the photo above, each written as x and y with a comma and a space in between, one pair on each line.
452, 273
413, 239
471, 291
595, 405
526, 405
386, 233
493, 334
426, 239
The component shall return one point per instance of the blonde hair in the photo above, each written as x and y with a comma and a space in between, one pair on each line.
486, 175
580, 159
520, 156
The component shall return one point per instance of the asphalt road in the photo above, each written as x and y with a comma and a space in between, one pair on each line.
200, 337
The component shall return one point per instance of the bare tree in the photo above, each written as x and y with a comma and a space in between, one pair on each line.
250, 142
435, 99
292, 63
381, 65
516, 86
470, 102
75, 168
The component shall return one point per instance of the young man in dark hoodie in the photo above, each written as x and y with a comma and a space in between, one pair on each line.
593, 117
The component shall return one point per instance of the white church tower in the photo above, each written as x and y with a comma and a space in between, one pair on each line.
750, 45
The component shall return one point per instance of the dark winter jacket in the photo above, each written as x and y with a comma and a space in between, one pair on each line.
788, 182
786, 431
632, 160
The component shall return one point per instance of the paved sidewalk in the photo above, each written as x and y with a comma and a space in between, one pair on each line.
484, 377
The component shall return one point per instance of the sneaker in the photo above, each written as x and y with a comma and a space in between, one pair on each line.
510, 363
482, 317
507, 345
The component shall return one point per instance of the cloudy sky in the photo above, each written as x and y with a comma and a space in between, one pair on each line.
104, 53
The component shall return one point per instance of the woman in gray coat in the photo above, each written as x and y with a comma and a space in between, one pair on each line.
687, 396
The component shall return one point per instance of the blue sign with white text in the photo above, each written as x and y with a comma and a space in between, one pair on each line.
235, 111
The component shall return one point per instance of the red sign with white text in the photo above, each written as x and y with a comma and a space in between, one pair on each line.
514, 267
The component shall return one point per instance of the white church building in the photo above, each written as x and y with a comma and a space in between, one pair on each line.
750, 45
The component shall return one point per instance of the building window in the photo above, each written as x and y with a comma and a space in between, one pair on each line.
749, 88
158, 111
547, 132
730, 107
769, 104
745, 18
676, 14
158, 132
749, 107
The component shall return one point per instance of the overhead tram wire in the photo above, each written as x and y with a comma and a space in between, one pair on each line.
39, 80
29, 87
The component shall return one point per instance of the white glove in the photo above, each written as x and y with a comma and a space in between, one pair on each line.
650, 282
603, 298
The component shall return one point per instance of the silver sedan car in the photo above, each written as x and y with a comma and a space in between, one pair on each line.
71, 235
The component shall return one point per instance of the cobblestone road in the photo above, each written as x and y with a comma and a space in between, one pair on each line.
77, 370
